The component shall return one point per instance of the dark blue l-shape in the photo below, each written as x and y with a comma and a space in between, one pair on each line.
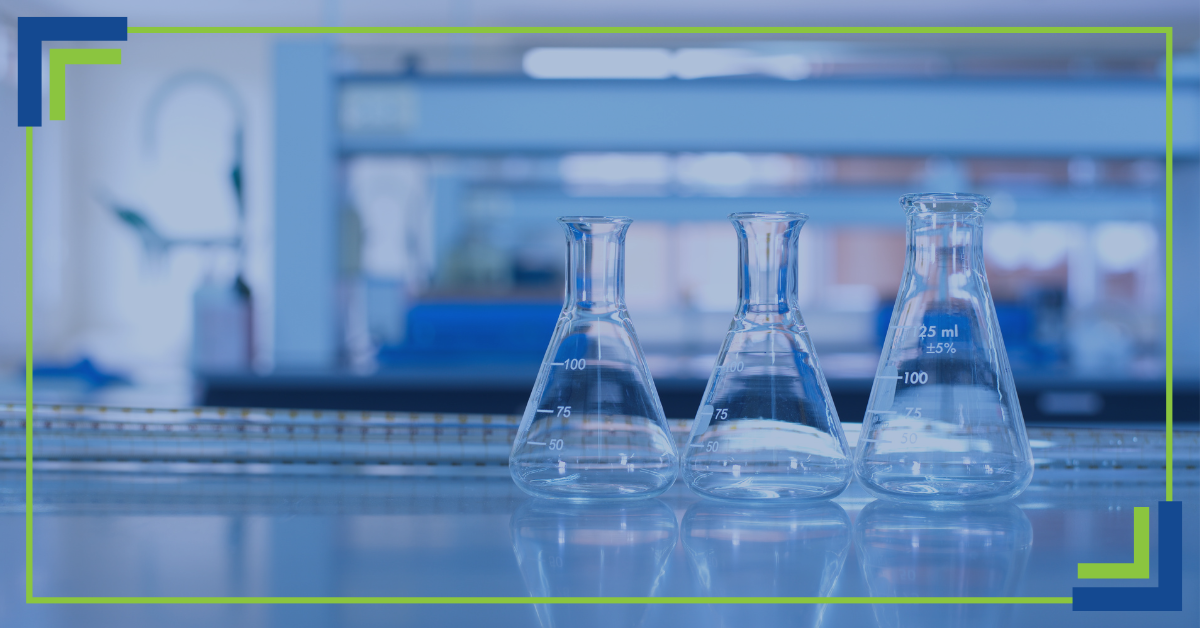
32, 31
1168, 595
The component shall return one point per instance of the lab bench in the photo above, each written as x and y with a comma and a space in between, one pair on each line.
504, 389
236, 502
141, 530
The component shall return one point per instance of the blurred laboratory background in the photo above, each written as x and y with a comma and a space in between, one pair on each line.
367, 222
291, 293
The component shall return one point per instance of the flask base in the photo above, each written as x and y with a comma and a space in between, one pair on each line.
592, 484
949, 489
776, 490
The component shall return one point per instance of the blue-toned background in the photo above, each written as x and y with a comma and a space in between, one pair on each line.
367, 222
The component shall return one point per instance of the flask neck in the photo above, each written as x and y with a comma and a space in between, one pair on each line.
767, 264
944, 244
595, 264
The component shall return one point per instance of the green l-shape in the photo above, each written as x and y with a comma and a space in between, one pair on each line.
60, 58
1139, 568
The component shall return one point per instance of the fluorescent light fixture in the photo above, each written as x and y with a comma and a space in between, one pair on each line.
726, 170
598, 63
790, 67
1038, 245
693, 63
1046, 245
659, 63
714, 172
1005, 244
1121, 246
616, 169
738, 170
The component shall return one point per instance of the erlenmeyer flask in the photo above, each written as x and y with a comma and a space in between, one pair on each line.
766, 428
943, 423
594, 427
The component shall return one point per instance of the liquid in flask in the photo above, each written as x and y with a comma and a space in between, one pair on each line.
594, 427
767, 428
943, 423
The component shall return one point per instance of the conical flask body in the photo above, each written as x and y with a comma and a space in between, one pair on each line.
594, 427
767, 428
943, 423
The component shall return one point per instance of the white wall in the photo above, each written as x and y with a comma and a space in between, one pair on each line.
116, 306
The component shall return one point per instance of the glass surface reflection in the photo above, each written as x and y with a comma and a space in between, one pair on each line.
766, 551
603, 549
909, 551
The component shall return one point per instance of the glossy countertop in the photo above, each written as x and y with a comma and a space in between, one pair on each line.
147, 530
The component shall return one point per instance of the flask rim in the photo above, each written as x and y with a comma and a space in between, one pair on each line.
945, 202
595, 220
768, 216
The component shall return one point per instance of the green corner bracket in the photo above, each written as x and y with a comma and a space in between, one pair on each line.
1139, 568
62, 57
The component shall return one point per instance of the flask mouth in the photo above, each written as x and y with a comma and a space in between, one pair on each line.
768, 216
945, 202
595, 220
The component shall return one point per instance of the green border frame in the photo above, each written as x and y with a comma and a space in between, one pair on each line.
1168, 32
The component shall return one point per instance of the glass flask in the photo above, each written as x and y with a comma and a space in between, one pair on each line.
596, 549
766, 428
594, 427
746, 550
915, 550
943, 423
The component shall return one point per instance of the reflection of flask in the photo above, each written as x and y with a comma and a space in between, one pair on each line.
910, 550
594, 427
767, 428
592, 550
943, 423
786, 551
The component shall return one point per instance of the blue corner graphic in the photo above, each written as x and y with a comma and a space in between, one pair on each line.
32, 31
1168, 595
